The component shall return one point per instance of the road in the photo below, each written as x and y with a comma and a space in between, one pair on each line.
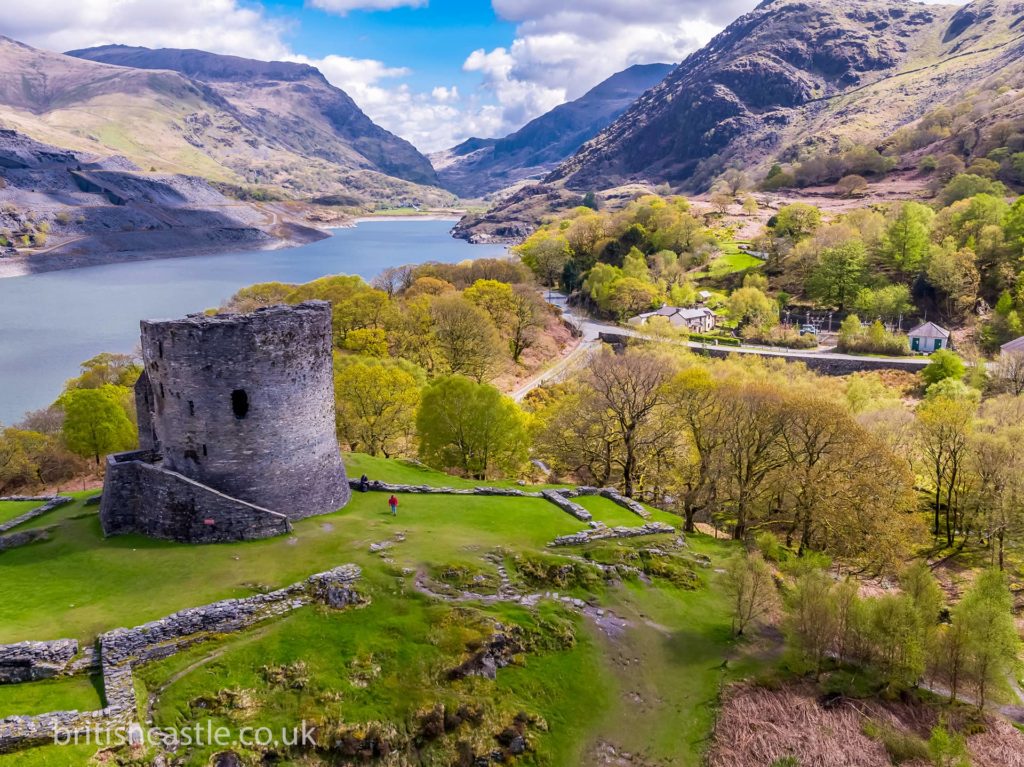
591, 330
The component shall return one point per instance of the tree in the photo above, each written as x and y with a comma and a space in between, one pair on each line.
965, 185
751, 589
525, 318
1008, 372
812, 618
839, 273
257, 296
944, 429
377, 403
897, 639
852, 185
797, 221
992, 642
943, 364
954, 272
886, 304
630, 387
95, 422
630, 296
107, 368
918, 583
749, 304
394, 280
471, 427
465, 336
546, 252
907, 237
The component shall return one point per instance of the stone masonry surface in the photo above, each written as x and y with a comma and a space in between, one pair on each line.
49, 503
122, 649
241, 404
29, 661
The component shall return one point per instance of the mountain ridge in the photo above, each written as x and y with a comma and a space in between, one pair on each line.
480, 166
789, 76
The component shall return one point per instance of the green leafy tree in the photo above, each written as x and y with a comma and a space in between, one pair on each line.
812, 618
839, 273
630, 296
95, 421
797, 221
471, 427
377, 401
907, 238
751, 589
546, 252
992, 640
965, 185
465, 336
943, 364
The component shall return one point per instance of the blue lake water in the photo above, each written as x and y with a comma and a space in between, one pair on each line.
51, 322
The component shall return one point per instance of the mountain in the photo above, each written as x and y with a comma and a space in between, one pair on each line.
284, 104
480, 166
222, 118
795, 76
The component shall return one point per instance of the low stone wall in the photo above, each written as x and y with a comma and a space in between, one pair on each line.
50, 502
140, 496
607, 533
388, 487
122, 649
558, 498
22, 538
612, 495
29, 661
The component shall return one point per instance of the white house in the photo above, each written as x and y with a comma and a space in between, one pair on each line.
699, 320
1013, 347
928, 338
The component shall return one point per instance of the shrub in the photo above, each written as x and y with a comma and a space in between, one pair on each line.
900, 746
851, 185
854, 339
944, 364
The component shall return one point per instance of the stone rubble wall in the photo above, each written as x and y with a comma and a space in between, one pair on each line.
143, 497
122, 649
608, 533
388, 487
29, 661
612, 495
50, 502
558, 498
22, 538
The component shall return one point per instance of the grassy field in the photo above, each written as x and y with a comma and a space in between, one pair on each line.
80, 693
11, 509
732, 260
649, 688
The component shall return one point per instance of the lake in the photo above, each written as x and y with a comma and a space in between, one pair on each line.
51, 322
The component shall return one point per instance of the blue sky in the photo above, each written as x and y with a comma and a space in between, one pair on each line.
432, 71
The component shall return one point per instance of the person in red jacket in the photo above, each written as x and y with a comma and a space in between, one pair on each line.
393, 503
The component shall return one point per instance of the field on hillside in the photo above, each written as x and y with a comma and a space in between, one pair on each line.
637, 671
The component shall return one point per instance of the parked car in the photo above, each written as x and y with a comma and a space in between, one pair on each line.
808, 330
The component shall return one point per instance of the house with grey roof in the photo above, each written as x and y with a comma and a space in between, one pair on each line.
698, 320
1013, 347
928, 337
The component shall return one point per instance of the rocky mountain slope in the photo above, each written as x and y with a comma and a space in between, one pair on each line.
226, 119
797, 75
480, 166
286, 104
60, 208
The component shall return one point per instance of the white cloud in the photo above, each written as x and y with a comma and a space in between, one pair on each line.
342, 7
224, 26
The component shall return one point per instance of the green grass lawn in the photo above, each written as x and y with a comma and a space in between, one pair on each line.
387, 662
605, 510
79, 693
11, 509
732, 260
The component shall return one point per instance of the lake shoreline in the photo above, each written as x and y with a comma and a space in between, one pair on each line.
23, 266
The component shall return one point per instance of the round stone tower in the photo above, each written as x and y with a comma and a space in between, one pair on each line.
244, 403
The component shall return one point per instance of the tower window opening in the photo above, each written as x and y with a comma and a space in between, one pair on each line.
191, 407
239, 403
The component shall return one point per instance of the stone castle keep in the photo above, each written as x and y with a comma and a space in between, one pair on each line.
236, 428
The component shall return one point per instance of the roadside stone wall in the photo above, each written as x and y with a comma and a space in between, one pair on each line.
49, 503
30, 661
606, 533
140, 496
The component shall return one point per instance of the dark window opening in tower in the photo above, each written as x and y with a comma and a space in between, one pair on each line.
160, 348
240, 403
191, 407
